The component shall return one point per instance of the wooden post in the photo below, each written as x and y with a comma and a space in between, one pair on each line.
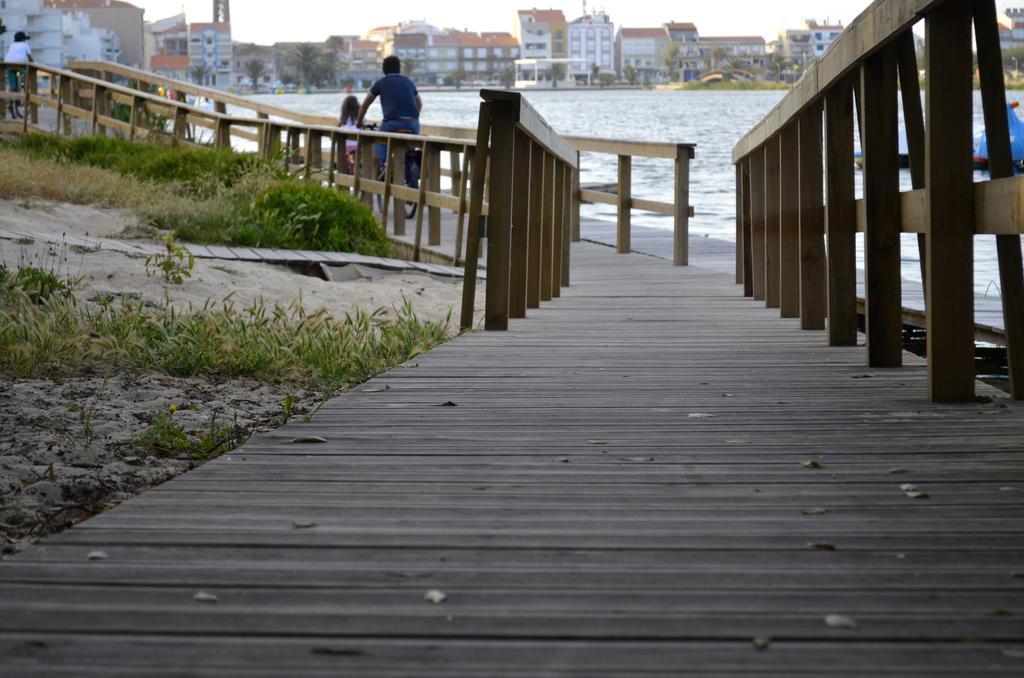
757, 222
453, 163
789, 221
222, 139
519, 260
314, 152
537, 175
181, 126
883, 298
499, 219
559, 229
748, 275
397, 177
420, 202
813, 290
461, 216
366, 167
575, 202
385, 203
220, 107
1000, 165
739, 223
476, 203
913, 122
950, 203
547, 233
432, 163
132, 117
566, 224
622, 238
97, 92
681, 214
31, 91
841, 216
772, 234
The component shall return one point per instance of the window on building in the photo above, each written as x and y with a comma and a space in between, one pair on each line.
481, 52
467, 52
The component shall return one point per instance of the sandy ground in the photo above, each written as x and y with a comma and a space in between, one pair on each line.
67, 448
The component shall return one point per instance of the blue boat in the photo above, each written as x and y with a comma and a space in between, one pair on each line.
1016, 140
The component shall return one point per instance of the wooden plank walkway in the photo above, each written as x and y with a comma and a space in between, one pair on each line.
619, 485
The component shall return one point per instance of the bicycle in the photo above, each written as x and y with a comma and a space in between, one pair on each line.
413, 160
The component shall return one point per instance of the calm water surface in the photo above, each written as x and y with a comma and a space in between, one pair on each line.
714, 121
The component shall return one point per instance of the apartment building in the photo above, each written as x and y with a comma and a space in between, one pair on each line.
641, 49
541, 33
805, 44
592, 39
121, 18
822, 35
210, 54
688, 61
57, 37
244, 53
748, 53
485, 57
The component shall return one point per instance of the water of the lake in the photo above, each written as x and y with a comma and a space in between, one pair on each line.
713, 120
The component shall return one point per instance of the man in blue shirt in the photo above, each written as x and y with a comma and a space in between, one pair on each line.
399, 100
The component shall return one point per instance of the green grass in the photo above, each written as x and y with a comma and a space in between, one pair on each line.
164, 437
57, 338
200, 195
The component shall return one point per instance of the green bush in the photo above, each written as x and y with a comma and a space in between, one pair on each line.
36, 283
304, 215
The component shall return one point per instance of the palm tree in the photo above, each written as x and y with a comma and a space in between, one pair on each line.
308, 60
255, 69
199, 73
557, 73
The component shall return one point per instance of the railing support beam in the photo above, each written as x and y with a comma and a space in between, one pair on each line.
772, 194
841, 217
789, 222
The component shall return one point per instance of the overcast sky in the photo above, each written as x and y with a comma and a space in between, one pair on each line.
254, 21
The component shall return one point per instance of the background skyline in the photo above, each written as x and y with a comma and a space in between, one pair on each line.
313, 20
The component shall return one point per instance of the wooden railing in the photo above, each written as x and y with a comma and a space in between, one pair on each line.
316, 151
681, 154
530, 176
783, 216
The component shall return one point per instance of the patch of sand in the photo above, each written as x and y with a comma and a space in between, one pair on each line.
66, 448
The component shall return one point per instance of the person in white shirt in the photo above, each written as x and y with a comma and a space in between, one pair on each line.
19, 53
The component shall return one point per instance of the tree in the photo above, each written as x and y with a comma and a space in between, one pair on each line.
557, 73
631, 75
308, 62
409, 66
199, 73
606, 79
777, 61
255, 69
670, 57
718, 55
507, 77
457, 77
595, 73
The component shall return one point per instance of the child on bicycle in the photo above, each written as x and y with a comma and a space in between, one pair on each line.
20, 53
348, 120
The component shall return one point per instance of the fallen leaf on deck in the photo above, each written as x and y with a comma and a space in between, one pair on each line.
597, 442
896, 471
96, 555
821, 545
309, 439
562, 460
1017, 574
638, 460
813, 463
1007, 489
839, 621
998, 612
204, 597
449, 403
434, 596
1012, 652
339, 651
700, 415
761, 643
814, 511
301, 525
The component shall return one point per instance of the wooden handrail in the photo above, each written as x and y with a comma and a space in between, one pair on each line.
529, 172
463, 136
783, 215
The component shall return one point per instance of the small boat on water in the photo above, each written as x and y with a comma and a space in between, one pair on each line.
1016, 140
980, 145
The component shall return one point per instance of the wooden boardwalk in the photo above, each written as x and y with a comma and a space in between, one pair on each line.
619, 485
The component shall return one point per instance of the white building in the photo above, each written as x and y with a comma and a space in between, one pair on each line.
210, 52
592, 39
56, 38
642, 49
822, 35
